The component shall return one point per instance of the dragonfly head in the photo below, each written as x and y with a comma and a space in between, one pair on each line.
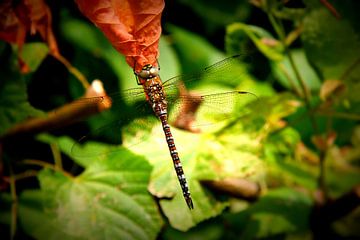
148, 71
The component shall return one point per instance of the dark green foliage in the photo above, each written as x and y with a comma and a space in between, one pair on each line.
274, 137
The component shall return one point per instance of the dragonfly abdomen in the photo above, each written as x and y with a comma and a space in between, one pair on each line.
176, 161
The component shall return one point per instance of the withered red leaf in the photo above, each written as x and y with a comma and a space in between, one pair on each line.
33, 16
132, 26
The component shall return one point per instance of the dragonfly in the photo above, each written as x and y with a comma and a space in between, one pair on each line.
160, 96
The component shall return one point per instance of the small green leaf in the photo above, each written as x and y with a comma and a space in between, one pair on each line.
34, 54
14, 106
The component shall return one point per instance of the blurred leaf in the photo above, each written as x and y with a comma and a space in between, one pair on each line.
280, 211
194, 52
14, 104
332, 45
5, 208
111, 195
237, 33
286, 75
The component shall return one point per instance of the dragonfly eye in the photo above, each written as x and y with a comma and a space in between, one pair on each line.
154, 71
144, 74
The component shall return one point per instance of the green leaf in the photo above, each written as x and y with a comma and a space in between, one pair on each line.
14, 106
108, 200
236, 36
34, 54
285, 74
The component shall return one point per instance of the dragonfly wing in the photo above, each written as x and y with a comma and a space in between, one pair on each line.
229, 70
115, 100
108, 138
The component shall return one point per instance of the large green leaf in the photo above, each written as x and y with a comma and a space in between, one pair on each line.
109, 200
230, 149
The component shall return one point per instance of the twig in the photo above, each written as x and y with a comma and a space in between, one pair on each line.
46, 165
21, 176
57, 155
14, 203
350, 69
64, 115
331, 8
82, 79
235, 187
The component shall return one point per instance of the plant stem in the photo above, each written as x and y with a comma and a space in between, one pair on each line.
14, 203
277, 25
350, 69
57, 156
46, 165
82, 79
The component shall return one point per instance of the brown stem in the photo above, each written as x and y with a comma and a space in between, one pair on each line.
46, 165
331, 8
14, 203
64, 115
239, 188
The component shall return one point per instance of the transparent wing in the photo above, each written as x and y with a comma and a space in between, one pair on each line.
192, 110
137, 131
228, 70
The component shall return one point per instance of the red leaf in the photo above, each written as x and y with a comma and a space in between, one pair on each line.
11, 29
27, 16
132, 26
37, 17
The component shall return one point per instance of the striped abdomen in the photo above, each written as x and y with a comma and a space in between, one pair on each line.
176, 160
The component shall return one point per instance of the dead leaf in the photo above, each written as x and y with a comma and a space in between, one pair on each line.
132, 26
27, 16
